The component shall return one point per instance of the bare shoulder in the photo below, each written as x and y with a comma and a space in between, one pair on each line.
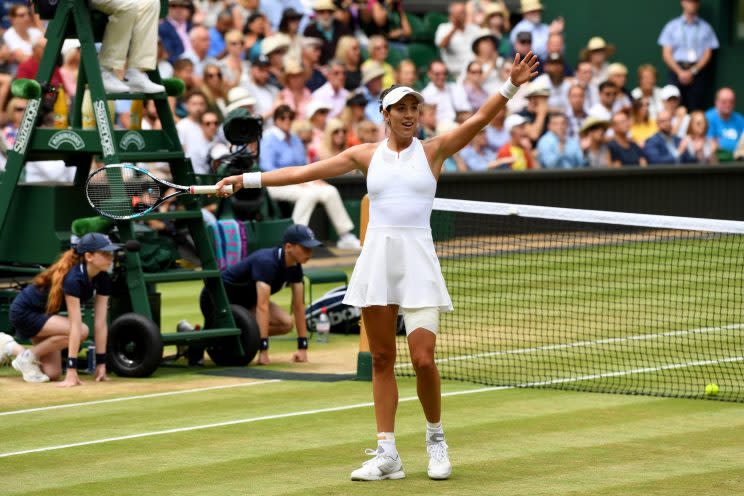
362, 154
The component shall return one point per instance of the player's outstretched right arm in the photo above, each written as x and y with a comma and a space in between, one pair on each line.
344, 162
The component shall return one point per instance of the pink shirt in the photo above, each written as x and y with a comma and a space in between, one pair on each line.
336, 99
298, 106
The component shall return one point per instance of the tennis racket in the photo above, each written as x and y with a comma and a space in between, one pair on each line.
124, 191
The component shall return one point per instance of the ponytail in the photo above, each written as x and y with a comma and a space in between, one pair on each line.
54, 276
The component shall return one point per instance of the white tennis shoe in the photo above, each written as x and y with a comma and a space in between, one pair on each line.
4, 340
440, 467
138, 82
27, 365
382, 466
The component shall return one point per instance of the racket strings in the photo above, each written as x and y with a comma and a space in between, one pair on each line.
122, 192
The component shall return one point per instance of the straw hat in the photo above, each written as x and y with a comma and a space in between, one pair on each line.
482, 34
592, 122
493, 9
324, 5
531, 5
617, 68
291, 66
238, 97
371, 72
597, 43
273, 43
536, 88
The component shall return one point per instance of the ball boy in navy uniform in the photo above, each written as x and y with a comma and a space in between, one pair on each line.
71, 281
252, 281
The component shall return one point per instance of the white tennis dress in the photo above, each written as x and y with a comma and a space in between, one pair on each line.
398, 264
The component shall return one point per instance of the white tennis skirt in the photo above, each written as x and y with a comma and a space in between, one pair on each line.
398, 265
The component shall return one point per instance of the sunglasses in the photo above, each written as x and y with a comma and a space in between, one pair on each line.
235, 43
213, 74
19, 109
337, 131
475, 71
210, 123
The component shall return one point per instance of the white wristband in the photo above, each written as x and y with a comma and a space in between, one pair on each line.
251, 179
508, 90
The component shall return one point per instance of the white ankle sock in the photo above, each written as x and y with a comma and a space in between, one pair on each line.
434, 432
9, 347
386, 440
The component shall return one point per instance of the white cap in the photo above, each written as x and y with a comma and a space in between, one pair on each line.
315, 105
394, 96
239, 97
670, 91
513, 121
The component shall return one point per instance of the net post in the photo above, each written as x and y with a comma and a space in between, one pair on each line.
364, 357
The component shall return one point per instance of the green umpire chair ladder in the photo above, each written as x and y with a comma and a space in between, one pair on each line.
77, 146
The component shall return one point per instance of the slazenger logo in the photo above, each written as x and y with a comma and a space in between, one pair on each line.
26, 126
107, 143
132, 138
62, 137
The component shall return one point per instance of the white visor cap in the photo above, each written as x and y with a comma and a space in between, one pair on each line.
394, 96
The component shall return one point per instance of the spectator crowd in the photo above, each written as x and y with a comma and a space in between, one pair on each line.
314, 71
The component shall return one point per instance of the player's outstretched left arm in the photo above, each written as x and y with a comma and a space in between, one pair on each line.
342, 163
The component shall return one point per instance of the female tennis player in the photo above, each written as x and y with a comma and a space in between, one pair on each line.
398, 269
34, 313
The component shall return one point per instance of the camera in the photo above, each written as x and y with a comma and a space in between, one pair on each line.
242, 128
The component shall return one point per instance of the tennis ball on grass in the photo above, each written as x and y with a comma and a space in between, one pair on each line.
711, 389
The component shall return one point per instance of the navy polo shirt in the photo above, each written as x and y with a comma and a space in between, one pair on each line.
265, 265
76, 283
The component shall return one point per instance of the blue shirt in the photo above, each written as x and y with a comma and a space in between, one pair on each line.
552, 158
277, 151
477, 161
216, 43
540, 33
265, 265
688, 41
76, 283
727, 132
662, 149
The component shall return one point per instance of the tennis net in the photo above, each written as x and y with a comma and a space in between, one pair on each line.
589, 300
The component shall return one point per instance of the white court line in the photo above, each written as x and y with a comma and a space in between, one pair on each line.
580, 344
138, 397
363, 405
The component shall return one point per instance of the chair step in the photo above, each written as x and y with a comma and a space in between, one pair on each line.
158, 156
175, 215
186, 337
181, 275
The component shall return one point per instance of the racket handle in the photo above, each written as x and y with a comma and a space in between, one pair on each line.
209, 190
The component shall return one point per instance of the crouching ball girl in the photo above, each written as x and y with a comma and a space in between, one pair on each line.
398, 269
67, 284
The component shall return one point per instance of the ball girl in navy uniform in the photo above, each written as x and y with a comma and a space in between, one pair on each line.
70, 282
398, 269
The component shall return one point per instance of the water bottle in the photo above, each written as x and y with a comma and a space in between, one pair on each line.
184, 326
322, 326
91, 359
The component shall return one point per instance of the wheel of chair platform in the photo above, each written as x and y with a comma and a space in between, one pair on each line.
135, 346
226, 352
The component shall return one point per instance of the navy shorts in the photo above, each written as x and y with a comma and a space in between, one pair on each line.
27, 324
237, 294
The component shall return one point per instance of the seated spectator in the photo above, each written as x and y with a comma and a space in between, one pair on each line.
304, 130
617, 74
280, 148
311, 63
235, 69
454, 39
378, 52
202, 161
352, 115
555, 150
725, 124
597, 52
349, 53
190, 131
255, 30
289, 25
427, 121
496, 20
317, 112
406, 74
214, 89
334, 140
496, 133
671, 97
536, 113
596, 151
387, 19
259, 85
295, 93
584, 78
555, 79
608, 93
647, 88
30, 66
624, 151
368, 132
223, 24
532, 23
700, 145
642, 127
477, 155
486, 54
69, 68
576, 110
275, 47
21, 36
469, 94
523, 46
334, 91
326, 28
198, 54
557, 44
517, 153
664, 147
440, 92
372, 89
173, 30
